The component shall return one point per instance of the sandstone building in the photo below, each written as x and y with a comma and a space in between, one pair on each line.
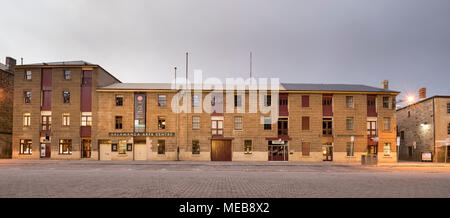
6, 106
424, 129
111, 120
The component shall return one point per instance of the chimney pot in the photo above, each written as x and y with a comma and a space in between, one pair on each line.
422, 93
385, 84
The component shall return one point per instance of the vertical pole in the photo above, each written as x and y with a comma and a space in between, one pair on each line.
177, 111
251, 64
187, 117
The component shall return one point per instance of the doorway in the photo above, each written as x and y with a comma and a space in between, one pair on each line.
86, 148
45, 150
221, 150
327, 150
278, 152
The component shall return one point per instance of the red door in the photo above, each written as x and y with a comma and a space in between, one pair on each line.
371, 106
327, 105
278, 153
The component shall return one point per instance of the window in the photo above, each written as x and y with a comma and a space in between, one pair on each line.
306, 147
67, 74
122, 146
129, 147
161, 146
119, 100
267, 100
283, 126
409, 113
238, 123
66, 119
448, 129
305, 123
196, 122
385, 102
387, 123
305, 101
371, 128
66, 97
161, 123
327, 126
387, 149
161, 100
267, 123
349, 101
350, 149
28, 75
27, 97
46, 122
247, 146
349, 123
448, 108
195, 147
237, 101
86, 119
65, 146
25, 146
217, 127
26, 119
196, 100
114, 147
119, 122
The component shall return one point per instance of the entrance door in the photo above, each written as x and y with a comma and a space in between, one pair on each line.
373, 149
105, 151
278, 153
140, 151
221, 150
45, 150
327, 150
86, 148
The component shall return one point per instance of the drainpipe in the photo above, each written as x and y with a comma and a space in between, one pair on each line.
434, 132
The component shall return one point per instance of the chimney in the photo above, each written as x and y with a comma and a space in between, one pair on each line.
422, 93
385, 84
10, 63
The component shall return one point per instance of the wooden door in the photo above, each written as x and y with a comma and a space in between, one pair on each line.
327, 105
278, 153
371, 106
221, 150
48, 150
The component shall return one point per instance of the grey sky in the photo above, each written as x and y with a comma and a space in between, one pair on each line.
318, 41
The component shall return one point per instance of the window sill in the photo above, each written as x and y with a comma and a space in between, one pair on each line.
247, 153
306, 156
26, 154
64, 154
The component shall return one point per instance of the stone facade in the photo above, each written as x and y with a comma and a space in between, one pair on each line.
6, 111
424, 127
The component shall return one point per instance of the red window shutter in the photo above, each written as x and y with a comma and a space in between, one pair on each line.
305, 101
306, 147
305, 123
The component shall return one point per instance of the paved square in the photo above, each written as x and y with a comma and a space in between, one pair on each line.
217, 179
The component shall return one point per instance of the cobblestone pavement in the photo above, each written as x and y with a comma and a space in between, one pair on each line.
213, 179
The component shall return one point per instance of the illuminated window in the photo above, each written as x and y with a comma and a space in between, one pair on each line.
25, 146
161, 123
26, 119
195, 147
122, 146
387, 149
65, 146
247, 146
66, 119
86, 119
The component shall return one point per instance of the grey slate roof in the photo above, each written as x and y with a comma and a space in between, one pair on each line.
283, 87
61, 63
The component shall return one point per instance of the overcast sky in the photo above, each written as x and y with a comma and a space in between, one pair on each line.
316, 41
